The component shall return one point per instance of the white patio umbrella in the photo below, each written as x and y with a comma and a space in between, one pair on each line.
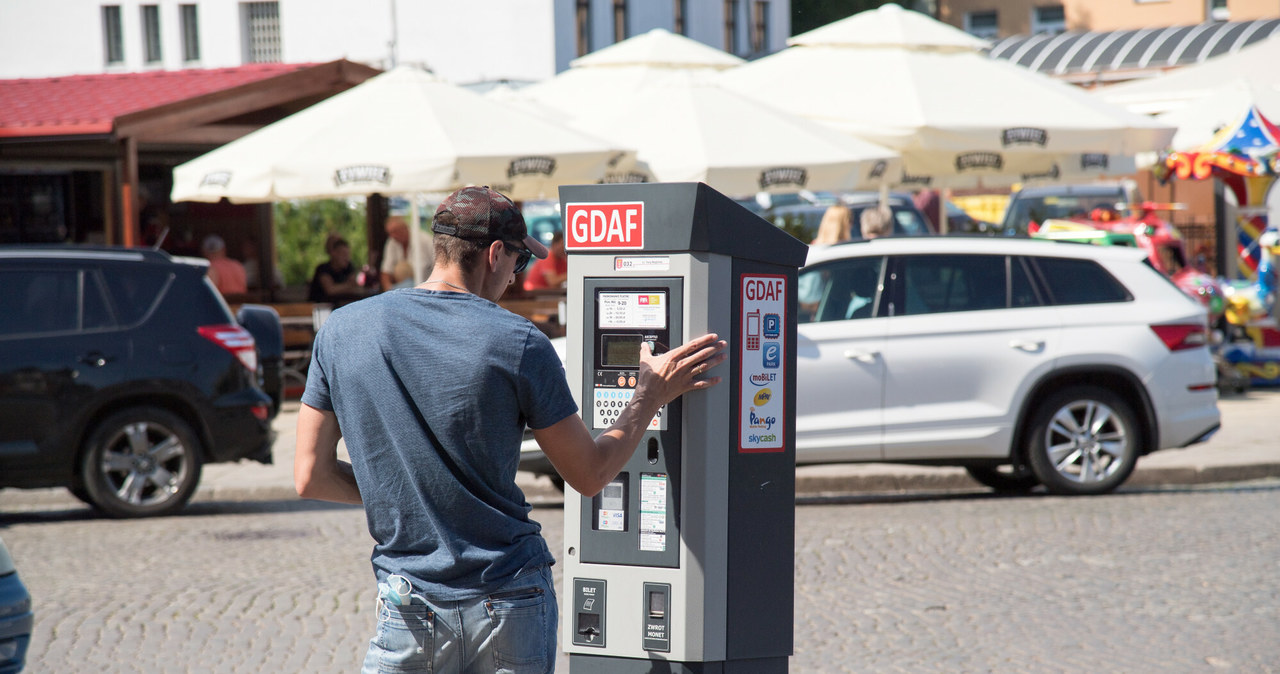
401, 132
655, 93
1199, 119
916, 85
685, 129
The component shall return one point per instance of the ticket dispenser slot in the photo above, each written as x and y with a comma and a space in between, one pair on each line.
635, 518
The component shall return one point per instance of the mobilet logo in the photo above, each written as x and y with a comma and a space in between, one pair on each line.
362, 174
525, 166
1094, 160
979, 160
764, 378
1024, 135
783, 176
216, 179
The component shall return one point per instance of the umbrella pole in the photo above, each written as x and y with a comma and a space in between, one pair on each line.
415, 236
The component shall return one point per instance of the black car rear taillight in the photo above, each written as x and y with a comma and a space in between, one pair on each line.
235, 339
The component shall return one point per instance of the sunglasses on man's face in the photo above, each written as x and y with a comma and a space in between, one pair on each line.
525, 255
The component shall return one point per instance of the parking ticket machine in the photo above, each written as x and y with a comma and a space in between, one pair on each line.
683, 562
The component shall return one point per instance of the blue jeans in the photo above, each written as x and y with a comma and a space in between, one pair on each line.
511, 631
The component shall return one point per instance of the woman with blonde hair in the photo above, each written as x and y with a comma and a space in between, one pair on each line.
836, 226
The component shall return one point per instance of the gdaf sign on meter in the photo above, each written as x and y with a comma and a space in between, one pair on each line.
617, 226
684, 561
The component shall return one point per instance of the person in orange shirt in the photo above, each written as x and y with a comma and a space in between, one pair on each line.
551, 271
228, 275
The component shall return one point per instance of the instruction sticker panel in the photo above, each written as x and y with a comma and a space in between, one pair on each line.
633, 310
763, 368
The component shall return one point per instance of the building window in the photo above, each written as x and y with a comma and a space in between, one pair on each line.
1218, 10
261, 28
583, 18
760, 26
151, 33
112, 34
190, 33
619, 20
681, 11
1050, 19
731, 26
982, 24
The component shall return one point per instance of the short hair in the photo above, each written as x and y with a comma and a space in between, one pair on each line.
212, 244
333, 241
458, 252
875, 222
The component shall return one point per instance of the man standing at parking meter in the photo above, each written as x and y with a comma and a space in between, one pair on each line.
432, 388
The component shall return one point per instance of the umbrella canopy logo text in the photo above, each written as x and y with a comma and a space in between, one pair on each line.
1094, 160
1052, 174
216, 179
783, 176
979, 160
362, 174
1024, 135
525, 166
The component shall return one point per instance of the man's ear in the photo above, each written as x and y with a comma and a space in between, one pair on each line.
495, 255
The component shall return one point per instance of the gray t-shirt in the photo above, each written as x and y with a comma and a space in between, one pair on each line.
432, 391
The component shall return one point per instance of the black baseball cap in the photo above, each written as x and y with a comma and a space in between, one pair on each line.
484, 214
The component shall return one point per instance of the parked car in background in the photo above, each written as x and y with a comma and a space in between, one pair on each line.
1044, 202
16, 619
1026, 362
122, 373
960, 222
801, 220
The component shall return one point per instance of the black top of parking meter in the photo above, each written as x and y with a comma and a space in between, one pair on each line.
693, 217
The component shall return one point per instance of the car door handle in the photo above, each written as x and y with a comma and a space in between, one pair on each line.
862, 356
96, 359
1028, 345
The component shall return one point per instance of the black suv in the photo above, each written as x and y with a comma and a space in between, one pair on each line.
122, 372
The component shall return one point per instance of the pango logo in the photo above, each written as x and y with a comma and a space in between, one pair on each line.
604, 225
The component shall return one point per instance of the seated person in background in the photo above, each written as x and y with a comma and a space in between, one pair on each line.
396, 250
228, 275
836, 226
335, 280
403, 275
551, 271
876, 222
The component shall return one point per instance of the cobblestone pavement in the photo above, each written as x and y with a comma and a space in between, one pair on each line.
1152, 580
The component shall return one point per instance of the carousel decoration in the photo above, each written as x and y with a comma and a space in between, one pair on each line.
1244, 157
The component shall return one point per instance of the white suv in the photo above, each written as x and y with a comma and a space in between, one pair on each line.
1027, 362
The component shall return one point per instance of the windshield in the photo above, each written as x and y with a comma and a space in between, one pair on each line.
1024, 210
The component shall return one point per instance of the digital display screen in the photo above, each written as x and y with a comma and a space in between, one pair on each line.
621, 351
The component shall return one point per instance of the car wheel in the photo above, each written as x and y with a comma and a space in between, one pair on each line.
1017, 479
140, 462
1084, 440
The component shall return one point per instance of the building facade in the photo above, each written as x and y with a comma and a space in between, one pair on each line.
462, 42
992, 19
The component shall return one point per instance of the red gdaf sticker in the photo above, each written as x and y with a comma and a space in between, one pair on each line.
604, 225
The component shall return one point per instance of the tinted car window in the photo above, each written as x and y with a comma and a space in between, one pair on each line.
39, 301
840, 291
940, 283
1074, 281
135, 291
95, 313
1022, 292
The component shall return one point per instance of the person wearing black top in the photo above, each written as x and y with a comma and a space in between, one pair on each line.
335, 281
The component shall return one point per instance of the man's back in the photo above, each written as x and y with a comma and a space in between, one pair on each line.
432, 390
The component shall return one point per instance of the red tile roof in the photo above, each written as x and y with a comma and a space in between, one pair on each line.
89, 104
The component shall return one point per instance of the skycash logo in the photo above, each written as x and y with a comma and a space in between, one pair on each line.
367, 173
525, 166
